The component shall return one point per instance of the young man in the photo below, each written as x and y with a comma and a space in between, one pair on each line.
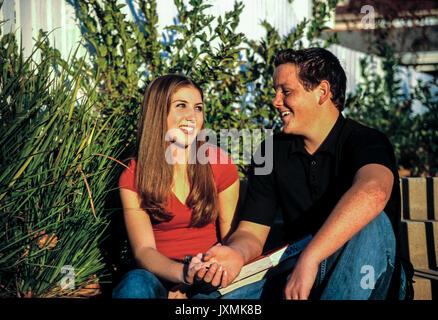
332, 178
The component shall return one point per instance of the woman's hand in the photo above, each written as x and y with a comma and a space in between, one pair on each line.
190, 271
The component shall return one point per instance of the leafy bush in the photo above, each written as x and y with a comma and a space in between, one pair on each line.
380, 103
54, 175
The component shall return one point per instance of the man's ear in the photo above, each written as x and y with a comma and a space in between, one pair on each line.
324, 91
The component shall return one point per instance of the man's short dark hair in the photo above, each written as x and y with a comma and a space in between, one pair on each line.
315, 65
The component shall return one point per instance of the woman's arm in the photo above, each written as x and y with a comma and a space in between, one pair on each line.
141, 238
227, 207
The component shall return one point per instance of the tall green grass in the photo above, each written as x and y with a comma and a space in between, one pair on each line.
56, 172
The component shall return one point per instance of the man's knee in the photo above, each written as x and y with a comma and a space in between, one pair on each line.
363, 267
376, 239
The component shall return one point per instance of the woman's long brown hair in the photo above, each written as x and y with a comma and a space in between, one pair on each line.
154, 175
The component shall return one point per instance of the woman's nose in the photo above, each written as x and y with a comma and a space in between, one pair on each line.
189, 113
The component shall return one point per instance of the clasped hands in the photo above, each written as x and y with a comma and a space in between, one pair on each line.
218, 267
222, 264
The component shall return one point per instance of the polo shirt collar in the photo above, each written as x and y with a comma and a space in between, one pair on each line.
329, 144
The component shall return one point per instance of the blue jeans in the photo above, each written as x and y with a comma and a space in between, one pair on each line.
140, 284
359, 270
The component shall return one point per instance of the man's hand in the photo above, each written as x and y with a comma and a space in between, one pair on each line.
301, 280
230, 259
207, 271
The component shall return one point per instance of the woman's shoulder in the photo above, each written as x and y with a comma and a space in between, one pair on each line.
217, 156
224, 170
127, 178
132, 164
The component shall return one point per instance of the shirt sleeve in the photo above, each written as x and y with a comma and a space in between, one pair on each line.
372, 147
127, 178
224, 170
260, 203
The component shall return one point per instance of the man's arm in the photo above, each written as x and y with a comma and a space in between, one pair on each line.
247, 241
367, 197
227, 207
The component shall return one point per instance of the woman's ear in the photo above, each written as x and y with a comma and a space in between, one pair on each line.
324, 91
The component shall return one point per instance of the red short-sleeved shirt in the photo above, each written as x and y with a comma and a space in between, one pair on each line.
175, 239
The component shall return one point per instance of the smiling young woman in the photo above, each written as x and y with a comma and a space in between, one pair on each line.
173, 210
186, 116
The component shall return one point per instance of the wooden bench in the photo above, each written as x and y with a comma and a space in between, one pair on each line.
419, 232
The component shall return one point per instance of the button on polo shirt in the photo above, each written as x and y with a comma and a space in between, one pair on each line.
306, 187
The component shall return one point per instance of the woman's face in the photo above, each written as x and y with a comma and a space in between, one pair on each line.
186, 116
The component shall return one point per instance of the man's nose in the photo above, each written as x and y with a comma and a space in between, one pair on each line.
277, 102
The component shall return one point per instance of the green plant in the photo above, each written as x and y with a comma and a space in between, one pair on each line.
380, 103
428, 129
55, 174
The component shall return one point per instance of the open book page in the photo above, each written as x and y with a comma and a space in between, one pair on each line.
257, 269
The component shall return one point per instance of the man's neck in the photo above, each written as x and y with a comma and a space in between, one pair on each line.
322, 129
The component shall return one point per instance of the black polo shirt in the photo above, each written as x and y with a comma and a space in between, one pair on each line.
307, 187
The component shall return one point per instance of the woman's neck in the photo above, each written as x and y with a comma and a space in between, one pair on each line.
178, 156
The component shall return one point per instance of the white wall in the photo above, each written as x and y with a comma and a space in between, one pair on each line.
26, 17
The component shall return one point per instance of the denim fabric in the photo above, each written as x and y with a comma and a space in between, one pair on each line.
359, 270
142, 284
139, 284
362, 268
402, 293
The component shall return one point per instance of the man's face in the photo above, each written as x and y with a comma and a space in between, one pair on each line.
298, 108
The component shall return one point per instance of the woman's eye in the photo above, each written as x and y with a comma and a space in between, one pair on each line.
199, 108
180, 105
